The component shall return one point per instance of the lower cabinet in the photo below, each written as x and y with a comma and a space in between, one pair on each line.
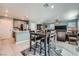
22, 36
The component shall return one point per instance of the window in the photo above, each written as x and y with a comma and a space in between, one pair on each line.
78, 25
32, 26
51, 26
71, 26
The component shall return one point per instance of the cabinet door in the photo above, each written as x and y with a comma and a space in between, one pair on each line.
6, 27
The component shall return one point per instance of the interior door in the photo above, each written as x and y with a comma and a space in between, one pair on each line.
6, 27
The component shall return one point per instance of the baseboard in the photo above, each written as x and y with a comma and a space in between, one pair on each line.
21, 42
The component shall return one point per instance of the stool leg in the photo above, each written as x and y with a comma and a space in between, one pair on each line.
45, 47
30, 44
40, 47
49, 48
69, 41
35, 49
76, 43
36, 44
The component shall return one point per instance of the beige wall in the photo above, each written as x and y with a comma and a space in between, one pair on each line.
6, 28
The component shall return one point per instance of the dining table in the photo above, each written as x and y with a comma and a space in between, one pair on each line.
40, 36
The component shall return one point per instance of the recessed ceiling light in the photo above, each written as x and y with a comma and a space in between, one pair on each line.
52, 6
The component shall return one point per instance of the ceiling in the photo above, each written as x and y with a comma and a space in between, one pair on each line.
37, 13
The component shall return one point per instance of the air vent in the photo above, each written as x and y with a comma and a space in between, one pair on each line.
46, 5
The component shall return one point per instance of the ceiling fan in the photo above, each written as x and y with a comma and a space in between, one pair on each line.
57, 21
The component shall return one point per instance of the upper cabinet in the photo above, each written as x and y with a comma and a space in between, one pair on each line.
21, 25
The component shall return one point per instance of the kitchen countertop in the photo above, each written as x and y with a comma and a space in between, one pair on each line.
19, 31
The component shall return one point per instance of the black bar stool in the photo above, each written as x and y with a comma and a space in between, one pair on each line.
52, 38
46, 41
33, 38
36, 38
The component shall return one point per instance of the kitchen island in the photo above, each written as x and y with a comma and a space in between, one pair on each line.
21, 36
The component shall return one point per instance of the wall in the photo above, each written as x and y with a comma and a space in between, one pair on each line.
78, 24
6, 27
33, 26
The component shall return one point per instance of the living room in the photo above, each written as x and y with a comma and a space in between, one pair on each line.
18, 20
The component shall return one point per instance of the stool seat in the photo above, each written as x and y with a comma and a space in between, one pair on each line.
73, 38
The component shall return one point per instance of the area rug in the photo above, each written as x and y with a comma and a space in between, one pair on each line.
27, 52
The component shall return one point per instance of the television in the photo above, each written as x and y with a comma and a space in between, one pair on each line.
61, 27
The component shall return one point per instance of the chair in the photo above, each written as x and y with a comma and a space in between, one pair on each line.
34, 39
52, 39
46, 40
43, 43
73, 38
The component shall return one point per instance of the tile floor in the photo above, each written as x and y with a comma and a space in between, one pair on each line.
8, 47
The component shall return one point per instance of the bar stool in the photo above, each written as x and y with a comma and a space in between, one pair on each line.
52, 39
33, 38
46, 41
43, 42
73, 38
